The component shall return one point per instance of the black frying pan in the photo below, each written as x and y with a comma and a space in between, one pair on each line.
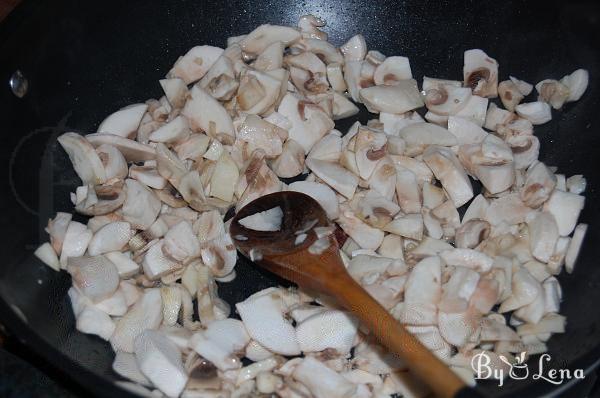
84, 60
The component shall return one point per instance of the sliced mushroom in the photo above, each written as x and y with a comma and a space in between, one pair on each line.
539, 184
445, 100
141, 207
290, 162
85, 160
342, 107
123, 122
271, 58
523, 87
565, 207
475, 110
391, 70
111, 237
553, 92
258, 91
260, 38
449, 171
309, 122
115, 165
259, 133
220, 80
472, 233
369, 148
575, 247
195, 63
496, 118
480, 73
354, 49
335, 76
206, 114
400, 98
148, 176
132, 150
337, 177
536, 112
177, 130
420, 135
577, 83
175, 90
509, 94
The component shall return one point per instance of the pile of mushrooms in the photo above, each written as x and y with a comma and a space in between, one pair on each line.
158, 177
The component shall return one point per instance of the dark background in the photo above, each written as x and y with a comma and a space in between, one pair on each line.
84, 60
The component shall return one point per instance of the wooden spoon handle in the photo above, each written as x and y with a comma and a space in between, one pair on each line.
393, 335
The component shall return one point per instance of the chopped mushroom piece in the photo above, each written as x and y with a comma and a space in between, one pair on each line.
577, 83
481, 73
575, 247
195, 63
509, 94
85, 160
400, 98
123, 122
449, 171
536, 112
392, 70
268, 220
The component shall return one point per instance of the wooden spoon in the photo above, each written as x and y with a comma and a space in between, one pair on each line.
320, 268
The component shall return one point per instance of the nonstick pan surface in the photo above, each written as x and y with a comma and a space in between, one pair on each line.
84, 60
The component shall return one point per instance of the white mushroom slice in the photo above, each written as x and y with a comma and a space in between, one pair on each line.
335, 176
525, 149
434, 118
159, 359
206, 114
220, 80
543, 234
493, 330
111, 237
465, 131
577, 83
156, 264
48, 256
214, 151
523, 87
195, 63
539, 184
458, 290
419, 168
354, 49
536, 112
327, 329
180, 242
57, 229
258, 180
329, 148
565, 207
145, 314
290, 162
96, 277
433, 196
575, 247
475, 110
496, 118
224, 178
229, 334
419, 135
553, 92
329, 384
477, 209
93, 321
552, 294
525, 289
260, 134
550, 323
366, 268
262, 315
175, 90
409, 226
115, 165
391, 70
325, 50
262, 37
258, 91
352, 78
126, 267
576, 184
271, 58
132, 150
446, 100
256, 352
509, 94
125, 365
449, 171
319, 192
472, 233
496, 150
393, 123
115, 305
309, 122
343, 107
467, 258
407, 191
480, 73
77, 238
141, 206
268, 220
85, 160
148, 176
369, 148
177, 130
424, 282
335, 76
367, 237
508, 208
383, 178
124, 122
400, 98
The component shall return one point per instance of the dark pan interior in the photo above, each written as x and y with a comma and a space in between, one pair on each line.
86, 59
